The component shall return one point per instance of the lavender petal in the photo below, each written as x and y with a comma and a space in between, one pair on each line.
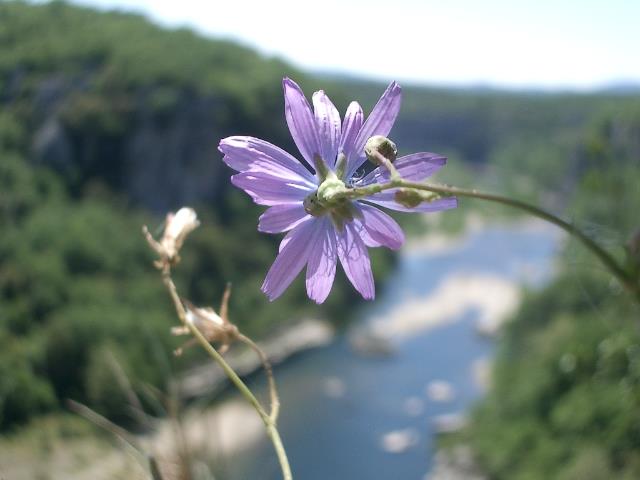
301, 121
415, 168
383, 229
244, 153
328, 127
386, 200
354, 258
282, 218
321, 269
350, 128
266, 189
364, 234
289, 261
379, 122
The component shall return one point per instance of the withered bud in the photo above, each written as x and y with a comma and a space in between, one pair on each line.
410, 198
214, 327
176, 229
381, 145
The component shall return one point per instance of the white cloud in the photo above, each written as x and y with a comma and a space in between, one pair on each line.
516, 43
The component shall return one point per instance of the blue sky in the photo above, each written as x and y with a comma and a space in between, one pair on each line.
515, 44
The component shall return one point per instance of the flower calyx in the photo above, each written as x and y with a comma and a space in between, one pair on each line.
331, 198
330, 195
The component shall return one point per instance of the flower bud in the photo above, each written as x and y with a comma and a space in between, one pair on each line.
176, 229
410, 198
381, 145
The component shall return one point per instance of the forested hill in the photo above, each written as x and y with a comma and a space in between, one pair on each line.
111, 98
107, 121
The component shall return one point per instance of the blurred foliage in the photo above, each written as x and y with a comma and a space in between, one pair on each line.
77, 284
565, 400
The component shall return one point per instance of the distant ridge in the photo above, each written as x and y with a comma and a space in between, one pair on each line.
615, 87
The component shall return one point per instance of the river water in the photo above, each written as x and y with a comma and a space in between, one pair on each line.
341, 408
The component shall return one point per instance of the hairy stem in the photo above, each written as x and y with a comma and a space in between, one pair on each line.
269, 421
270, 425
445, 190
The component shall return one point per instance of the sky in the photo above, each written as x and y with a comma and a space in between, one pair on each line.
544, 44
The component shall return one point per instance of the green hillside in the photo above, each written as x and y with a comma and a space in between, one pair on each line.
565, 400
108, 121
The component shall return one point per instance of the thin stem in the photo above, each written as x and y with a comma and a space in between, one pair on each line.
233, 376
270, 424
266, 364
273, 433
609, 261
386, 163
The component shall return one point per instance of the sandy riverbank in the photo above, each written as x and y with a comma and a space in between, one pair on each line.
493, 297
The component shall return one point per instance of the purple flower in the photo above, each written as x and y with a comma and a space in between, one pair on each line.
321, 233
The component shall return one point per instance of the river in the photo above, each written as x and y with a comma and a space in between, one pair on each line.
350, 416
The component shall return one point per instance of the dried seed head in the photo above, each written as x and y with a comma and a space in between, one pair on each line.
177, 227
212, 326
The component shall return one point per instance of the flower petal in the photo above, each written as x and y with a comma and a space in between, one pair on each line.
267, 189
352, 124
289, 261
249, 153
386, 199
415, 167
321, 269
354, 258
282, 218
364, 234
284, 241
301, 121
328, 127
379, 122
381, 227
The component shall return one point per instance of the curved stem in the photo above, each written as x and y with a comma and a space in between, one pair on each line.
273, 433
606, 258
266, 364
269, 422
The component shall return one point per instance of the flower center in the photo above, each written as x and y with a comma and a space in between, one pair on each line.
327, 200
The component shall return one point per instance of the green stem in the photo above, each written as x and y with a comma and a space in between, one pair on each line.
269, 422
271, 381
607, 260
